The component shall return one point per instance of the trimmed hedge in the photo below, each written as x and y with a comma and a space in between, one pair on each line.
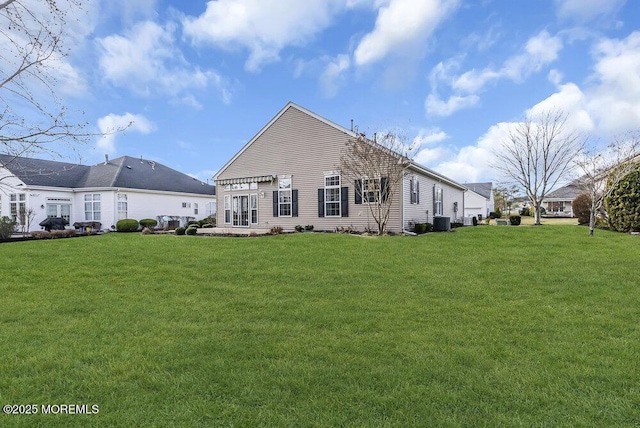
623, 205
192, 230
127, 225
515, 220
148, 222
180, 230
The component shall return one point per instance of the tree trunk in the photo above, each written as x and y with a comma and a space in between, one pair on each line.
592, 222
537, 214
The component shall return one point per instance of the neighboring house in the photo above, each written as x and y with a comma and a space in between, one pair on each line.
478, 200
287, 175
125, 187
558, 202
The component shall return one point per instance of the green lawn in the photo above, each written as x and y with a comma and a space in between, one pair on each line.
486, 326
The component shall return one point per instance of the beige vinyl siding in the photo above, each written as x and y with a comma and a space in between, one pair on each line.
423, 211
303, 147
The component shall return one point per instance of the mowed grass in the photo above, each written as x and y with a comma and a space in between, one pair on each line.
485, 326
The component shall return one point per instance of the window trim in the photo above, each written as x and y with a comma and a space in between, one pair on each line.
282, 192
327, 203
438, 201
95, 198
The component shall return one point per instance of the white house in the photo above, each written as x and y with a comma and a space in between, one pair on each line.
288, 175
125, 187
478, 200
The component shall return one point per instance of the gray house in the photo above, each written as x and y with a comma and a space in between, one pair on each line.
287, 175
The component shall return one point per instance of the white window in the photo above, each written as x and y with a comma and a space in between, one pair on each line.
253, 206
210, 209
123, 206
437, 201
18, 207
227, 209
92, 208
371, 190
414, 188
195, 208
284, 197
332, 199
59, 207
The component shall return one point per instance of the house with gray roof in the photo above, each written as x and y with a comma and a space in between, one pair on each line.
124, 187
558, 202
478, 200
288, 175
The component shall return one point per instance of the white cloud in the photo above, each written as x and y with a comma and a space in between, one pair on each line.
112, 125
401, 25
264, 28
539, 51
432, 156
146, 61
569, 100
428, 137
584, 11
437, 107
333, 74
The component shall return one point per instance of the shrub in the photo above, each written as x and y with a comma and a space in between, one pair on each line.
276, 230
623, 205
474, 220
180, 230
515, 220
7, 227
420, 228
581, 206
149, 223
66, 233
492, 215
532, 211
192, 230
127, 225
299, 228
193, 223
41, 234
309, 227
525, 212
456, 224
498, 213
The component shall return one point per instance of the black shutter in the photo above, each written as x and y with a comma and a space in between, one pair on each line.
275, 203
294, 203
417, 192
320, 202
384, 186
435, 212
358, 186
344, 201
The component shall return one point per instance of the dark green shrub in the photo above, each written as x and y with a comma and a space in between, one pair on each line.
515, 220
207, 222
149, 223
193, 223
299, 228
475, 221
309, 227
420, 228
428, 227
207, 225
180, 230
493, 215
623, 205
192, 230
581, 206
127, 225
525, 212
456, 224
7, 227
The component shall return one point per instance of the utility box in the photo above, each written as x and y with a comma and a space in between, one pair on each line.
441, 224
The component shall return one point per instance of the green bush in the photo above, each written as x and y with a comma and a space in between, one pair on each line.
456, 224
299, 228
515, 220
127, 225
192, 230
207, 222
309, 227
148, 222
623, 205
498, 213
7, 227
180, 230
420, 228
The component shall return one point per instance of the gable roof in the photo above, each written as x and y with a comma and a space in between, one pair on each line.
125, 172
482, 189
289, 105
568, 192
413, 165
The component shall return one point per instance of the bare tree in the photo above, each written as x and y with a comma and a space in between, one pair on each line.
33, 116
537, 153
503, 197
376, 169
603, 171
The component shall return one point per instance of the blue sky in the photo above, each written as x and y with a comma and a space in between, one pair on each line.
200, 78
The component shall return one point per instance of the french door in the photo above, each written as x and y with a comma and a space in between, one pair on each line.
240, 209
